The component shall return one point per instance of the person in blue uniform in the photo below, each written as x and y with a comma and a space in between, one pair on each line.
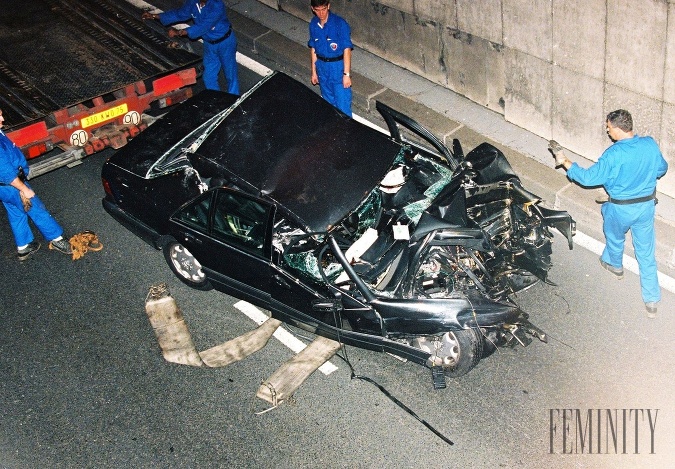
13, 187
331, 55
210, 23
628, 170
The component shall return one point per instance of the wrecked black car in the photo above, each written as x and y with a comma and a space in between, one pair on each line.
392, 243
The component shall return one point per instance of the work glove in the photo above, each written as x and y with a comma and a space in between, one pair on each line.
26, 202
557, 151
173, 32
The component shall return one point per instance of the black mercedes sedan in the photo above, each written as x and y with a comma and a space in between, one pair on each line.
385, 241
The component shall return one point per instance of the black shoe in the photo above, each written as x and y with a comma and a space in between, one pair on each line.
62, 245
28, 251
618, 271
651, 310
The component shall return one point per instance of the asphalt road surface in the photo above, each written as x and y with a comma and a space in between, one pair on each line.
83, 383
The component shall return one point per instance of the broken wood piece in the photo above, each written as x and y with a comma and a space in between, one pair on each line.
240, 347
290, 376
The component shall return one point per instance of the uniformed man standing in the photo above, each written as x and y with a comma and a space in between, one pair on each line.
331, 46
22, 203
210, 23
628, 170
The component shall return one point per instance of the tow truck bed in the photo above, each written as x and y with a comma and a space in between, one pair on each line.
77, 55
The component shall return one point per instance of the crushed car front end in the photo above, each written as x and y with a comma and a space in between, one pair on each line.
439, 249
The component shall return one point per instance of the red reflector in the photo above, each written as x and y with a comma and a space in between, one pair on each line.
36, 150
106, 187
29, 134
166, 84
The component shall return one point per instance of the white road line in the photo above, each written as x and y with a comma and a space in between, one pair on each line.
282, 335
629, 263
253, 65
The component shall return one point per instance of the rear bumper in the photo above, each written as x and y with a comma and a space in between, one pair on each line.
140, 229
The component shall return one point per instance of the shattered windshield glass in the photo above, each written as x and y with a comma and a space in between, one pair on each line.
415, 209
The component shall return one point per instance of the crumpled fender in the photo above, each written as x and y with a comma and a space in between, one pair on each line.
428, 316
425, 316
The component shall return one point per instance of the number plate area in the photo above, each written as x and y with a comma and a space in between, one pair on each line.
103, 116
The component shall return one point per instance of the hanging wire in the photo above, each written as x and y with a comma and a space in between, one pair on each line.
384, 391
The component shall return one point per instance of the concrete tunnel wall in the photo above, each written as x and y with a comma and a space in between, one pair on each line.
553, 67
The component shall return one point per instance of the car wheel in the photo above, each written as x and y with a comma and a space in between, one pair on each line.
185, 266
459, 351
464, 351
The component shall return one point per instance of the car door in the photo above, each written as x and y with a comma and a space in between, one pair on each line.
294, 299
299, 290
229, 233
301, 297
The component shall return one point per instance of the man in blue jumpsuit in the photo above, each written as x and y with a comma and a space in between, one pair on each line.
210, 23
12, 189
331, 54
628, 170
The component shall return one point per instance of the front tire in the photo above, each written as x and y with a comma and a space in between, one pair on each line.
466, 350
457, 351
185, 266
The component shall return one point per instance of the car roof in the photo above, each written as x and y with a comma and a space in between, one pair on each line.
281, 141
293, 147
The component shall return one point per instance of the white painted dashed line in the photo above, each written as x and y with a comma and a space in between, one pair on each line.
253, 65
360, 119
629, 263
282, 335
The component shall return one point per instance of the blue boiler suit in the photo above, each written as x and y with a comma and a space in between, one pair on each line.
628, 169
10, 160
330, 42
210, 23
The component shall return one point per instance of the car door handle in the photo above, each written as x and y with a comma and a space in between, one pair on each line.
281, 282
191, 238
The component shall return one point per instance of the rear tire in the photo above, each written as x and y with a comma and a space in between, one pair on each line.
185, 266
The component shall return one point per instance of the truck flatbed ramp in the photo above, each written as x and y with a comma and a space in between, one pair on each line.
59, 53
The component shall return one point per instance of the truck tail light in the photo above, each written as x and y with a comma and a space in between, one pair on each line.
29, 134
174, 81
